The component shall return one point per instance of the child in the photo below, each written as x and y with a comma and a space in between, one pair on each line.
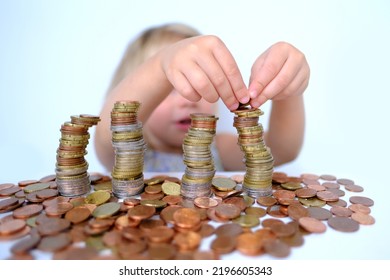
174, 71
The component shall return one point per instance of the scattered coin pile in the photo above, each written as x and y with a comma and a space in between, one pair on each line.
71, 168
129, 146
197, 156
161, 224
257, 157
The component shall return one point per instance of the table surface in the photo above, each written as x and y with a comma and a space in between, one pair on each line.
368, 243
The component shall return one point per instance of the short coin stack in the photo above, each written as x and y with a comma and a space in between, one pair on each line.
258, 158
71, 168
197, 156
129, 145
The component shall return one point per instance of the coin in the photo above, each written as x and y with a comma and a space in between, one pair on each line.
319, 213
343, 224
249, 244
312, 225
247, 221
361, 200
341, 211
186, 218
171, 188
354, 188
187, 241
106, 210
363, 219
227, 211
224, 184
276, 248
360, 208
98, 197
223, 244
11, 227
27, 211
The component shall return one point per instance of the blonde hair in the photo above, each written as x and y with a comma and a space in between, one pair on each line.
148, 43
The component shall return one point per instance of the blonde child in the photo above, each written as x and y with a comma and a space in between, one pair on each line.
174, 71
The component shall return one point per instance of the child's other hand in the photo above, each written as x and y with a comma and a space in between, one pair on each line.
280, 72
202, 67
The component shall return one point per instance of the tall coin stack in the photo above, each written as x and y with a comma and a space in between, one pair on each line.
197, 156
129, 146
71, 169
257, 157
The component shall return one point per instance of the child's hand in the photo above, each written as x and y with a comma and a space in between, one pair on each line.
280, 72
202, 67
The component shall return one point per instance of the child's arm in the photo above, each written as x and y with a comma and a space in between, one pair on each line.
198, 67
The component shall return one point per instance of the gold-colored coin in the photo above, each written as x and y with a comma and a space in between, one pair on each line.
98, 197
36, 187
224, 184
171, 188
154, 202
106, 210
247, 221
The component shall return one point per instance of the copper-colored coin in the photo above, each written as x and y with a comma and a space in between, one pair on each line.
53, 226
339, 202
275, 211
268, 223
341, 211
223, 244
343, 181
276, 248
343, 224
187, 241
283, 230
327, 196
55, 200
25, 183
47, 193
17, 235
328, 177
331, 185
360, 208
172, 199
266, 201
227, 211
5, 203
161, 251
310, 176
363, 219
9, 191
249, 244
161, 234
153, 189
141, 212
205, 255
132, 249
55, 243
284, 194
238, 178
150, 196
112, 238
361, 200
312, 225
12, 227
317, 188
205, 202
25, 245
206, 230
294, 240
76, 253
58, 209
319, 213
6, 186
231, 229
186, 218
27, 211
256, 211
78, 214
149, 225
130, 201
354, 188
133, 234
239, 201
305, 193
297, 211
167, 213
337, 192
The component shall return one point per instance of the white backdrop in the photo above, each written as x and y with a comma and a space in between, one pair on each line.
57, 59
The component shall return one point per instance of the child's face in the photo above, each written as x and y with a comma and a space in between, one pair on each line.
170, 121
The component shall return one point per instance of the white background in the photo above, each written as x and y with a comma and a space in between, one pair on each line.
57, 59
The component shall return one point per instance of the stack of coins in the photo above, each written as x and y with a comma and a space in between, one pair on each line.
197, 156
71, 168
129, 146
257, 157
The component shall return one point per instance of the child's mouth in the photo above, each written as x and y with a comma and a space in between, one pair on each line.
184, 124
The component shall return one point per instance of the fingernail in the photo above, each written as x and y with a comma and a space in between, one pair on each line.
255, 104
245, 100
233, 107
253, 94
